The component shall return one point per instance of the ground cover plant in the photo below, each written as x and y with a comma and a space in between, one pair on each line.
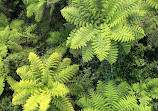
78, 55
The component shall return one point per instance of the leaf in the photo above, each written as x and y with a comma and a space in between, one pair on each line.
87, 53
1, 85
101, 47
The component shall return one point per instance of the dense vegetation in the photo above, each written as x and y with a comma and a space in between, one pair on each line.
79, 55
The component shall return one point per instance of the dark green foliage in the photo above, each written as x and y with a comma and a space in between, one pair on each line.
6, 104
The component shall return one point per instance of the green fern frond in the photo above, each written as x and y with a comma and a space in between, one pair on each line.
64, 64
36, 66
126, 104
153, 3
42, 99
138, 32
11, 82
87, 53
99, 102
123, 34
113, 53
1, 85
3, 50
21, 97
62, 103
75, 89
72, 15
23, 72
3, 21
53, 61
37, 9
58, 90
82, 36
31, 106
85, 102
124, 48
66, 73
101, 47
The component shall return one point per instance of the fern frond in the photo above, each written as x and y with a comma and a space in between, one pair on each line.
21, 97
72, 15
66, 73
3, 50
87, 53
31, 103
127, 103
1, 85
64, 64
53, 61
99, 101
36, 66
11, 82
124, 48
153, 3
123, 34
37, 9
23, 72
113, 53
138, 32
62, 103
58, 90
82, 36
101, 47
75, 89
85, 102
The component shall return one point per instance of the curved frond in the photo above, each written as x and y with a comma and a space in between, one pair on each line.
75, 89
127, 103
124, 48
123, 34
82, 36
99, 101
72, 15
87, 53
23, 73
36, 66
62, 103
153, 3
101, 47
113, 53
66, 73
58, 89
1, 85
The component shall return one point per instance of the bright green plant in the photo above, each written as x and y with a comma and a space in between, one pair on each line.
2, 76
147, 92
101, 24
43, 84
37, 7
109, 97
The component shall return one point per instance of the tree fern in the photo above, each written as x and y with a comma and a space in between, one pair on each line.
109, 97
42, 83
100, 22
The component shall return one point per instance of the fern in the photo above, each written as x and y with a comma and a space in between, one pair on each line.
107, 97
146, 90
42, 83
153, 3
37, 7
100, 22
